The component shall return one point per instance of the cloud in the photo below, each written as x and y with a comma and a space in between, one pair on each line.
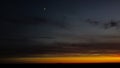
59, 49
33, 21
106, 25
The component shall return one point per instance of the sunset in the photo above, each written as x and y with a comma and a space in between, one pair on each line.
60, 31
104, 59
66, 59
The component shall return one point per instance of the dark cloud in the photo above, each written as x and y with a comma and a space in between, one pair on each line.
92, 22
105, 25
34, 21
112, 24
60, 48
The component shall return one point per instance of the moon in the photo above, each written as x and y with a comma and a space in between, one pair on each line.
44, 9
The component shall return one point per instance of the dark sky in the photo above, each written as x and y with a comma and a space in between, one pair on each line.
40, 26
58, 21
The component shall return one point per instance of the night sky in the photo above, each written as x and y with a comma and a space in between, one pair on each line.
28, 25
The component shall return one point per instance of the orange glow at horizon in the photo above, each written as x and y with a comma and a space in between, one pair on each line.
103, 59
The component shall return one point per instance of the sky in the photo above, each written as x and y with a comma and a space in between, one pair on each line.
62, 13
27, 23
